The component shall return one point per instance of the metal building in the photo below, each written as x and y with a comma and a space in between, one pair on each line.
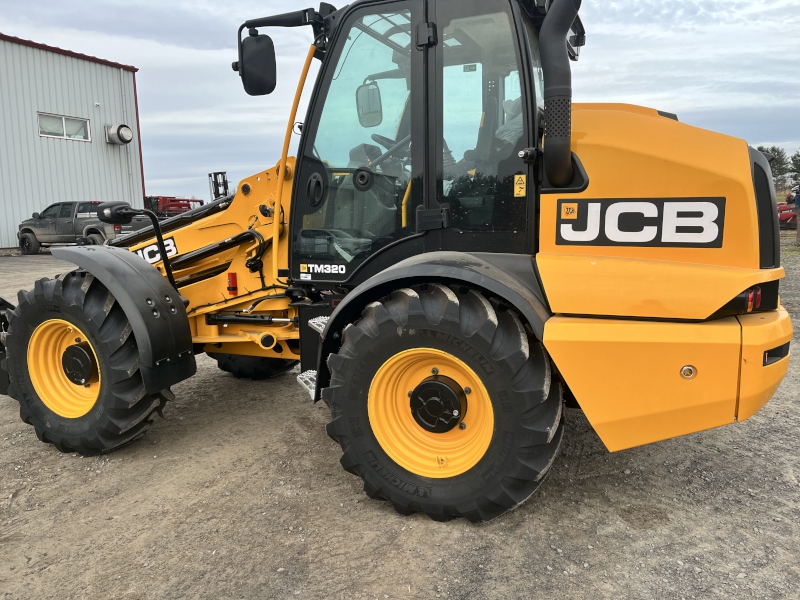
55, 110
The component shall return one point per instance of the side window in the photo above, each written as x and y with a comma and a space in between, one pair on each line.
484, 123
536, 63
71, 128
355, 186
51, 212
66, 211
87, 209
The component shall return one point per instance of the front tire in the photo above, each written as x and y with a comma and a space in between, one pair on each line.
73, 366
28, 244
476, 462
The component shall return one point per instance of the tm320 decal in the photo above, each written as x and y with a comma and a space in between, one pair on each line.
652, 222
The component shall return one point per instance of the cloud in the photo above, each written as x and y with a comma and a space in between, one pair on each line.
728, 66
731, 66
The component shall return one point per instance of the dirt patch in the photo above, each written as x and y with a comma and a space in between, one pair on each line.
238, 493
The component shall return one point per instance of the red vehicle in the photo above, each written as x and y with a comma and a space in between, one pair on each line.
787, 216
170, 206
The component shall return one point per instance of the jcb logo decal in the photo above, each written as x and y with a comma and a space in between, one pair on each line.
676, 223
152, 255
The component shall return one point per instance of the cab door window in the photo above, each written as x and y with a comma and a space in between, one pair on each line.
51, 212
66, 211
483, 116
354, 194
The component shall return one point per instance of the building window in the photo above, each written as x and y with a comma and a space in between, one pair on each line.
71, 128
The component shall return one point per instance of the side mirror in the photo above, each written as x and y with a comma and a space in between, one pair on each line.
116, 213
256, 64
36, 216
369, 105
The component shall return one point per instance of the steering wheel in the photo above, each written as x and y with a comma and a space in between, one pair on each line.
383, 140
398, 149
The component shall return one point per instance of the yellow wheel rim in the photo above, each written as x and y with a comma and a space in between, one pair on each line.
428, 454
45, 351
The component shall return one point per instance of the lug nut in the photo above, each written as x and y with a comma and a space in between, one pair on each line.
77, 340
435, 371
410, 394
462, 426
455, 413
467, 390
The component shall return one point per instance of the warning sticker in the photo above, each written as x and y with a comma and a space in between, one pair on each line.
520, 186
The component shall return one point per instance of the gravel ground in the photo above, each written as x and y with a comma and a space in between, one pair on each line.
238, 494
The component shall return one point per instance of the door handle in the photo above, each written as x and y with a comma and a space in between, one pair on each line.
315, 189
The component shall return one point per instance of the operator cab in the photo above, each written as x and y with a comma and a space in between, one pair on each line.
416, 135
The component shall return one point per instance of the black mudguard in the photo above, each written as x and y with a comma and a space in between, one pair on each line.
161, 329
4, 381
511, 277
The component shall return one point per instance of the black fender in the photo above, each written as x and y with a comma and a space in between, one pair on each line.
512, 277
4, 380
160, 326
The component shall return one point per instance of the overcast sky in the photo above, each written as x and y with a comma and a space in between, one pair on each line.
731, 66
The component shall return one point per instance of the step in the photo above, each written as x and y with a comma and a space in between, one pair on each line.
318, 324
308, 379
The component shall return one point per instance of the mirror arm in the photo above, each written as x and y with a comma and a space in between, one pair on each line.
297, 18
239, 44
392, 74
162, 248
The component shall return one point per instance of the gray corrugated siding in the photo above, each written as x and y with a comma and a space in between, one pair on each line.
38, 171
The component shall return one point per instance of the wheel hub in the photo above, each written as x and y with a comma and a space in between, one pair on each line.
63, 367
78, 363
438, 404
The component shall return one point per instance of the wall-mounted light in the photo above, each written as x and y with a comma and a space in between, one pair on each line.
119, 134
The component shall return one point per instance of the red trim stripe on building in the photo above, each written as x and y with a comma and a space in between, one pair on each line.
94, 59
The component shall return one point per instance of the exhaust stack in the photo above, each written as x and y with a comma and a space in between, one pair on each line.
558, 90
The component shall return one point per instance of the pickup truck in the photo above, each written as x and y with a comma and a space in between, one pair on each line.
71, 223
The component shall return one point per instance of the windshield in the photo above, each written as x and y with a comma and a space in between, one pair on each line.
374, 52
357, 161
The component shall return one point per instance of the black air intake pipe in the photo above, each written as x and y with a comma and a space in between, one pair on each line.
558, 90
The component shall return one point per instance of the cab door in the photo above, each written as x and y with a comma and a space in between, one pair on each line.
483, 120
65, 223
360, 162
45, 227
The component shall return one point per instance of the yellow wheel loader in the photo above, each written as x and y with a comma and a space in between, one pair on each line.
455, 253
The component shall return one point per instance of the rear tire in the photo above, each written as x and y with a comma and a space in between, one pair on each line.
511, 396
59, 410
28, 244
253, 367
96, 239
